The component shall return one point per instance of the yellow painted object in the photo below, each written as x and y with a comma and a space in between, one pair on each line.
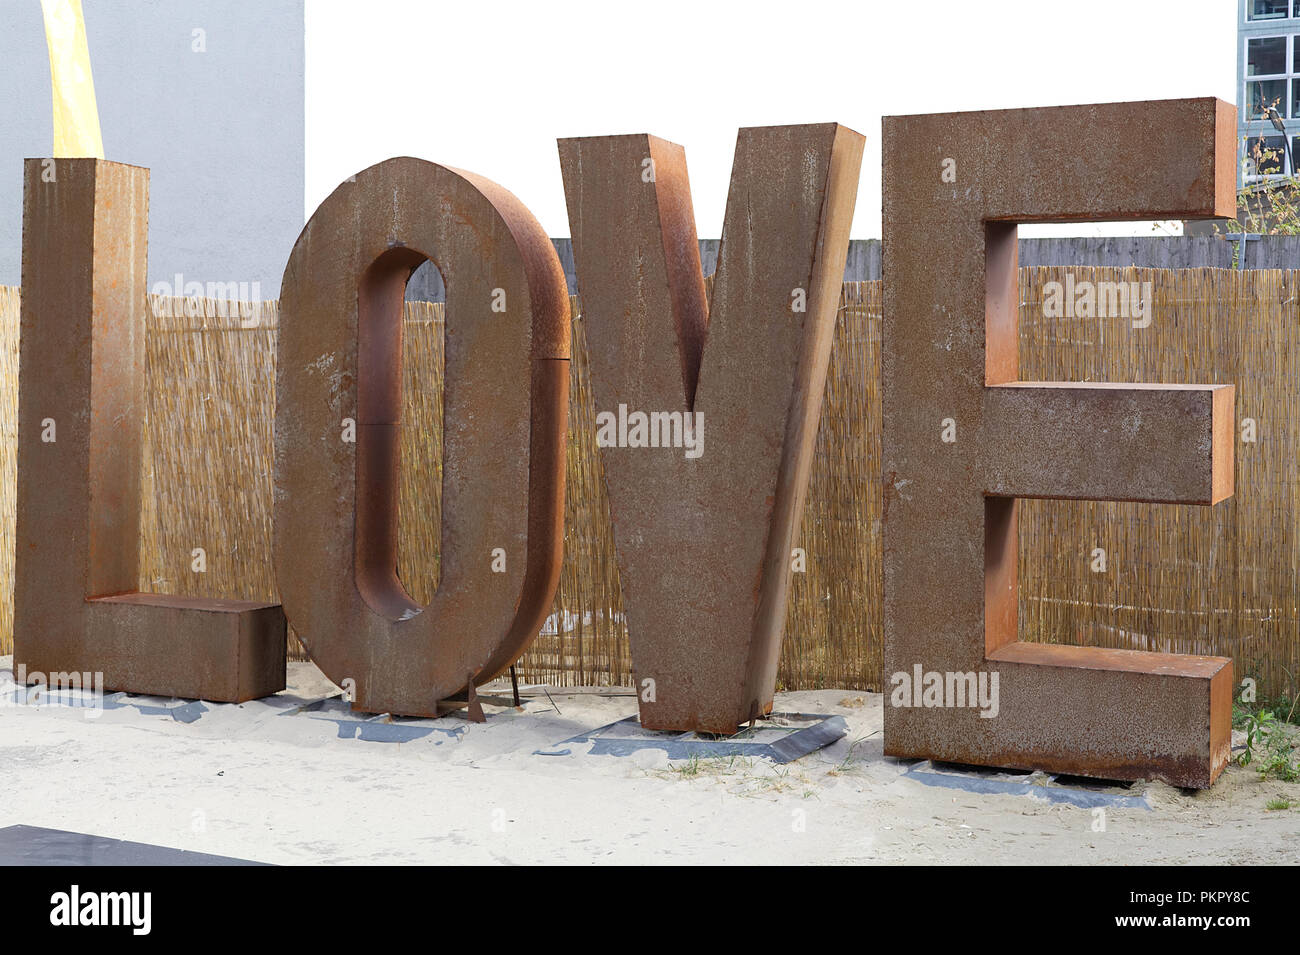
76, 117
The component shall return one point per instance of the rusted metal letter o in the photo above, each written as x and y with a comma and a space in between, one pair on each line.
505, 419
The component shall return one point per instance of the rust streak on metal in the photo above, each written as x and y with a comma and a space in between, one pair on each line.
955, 187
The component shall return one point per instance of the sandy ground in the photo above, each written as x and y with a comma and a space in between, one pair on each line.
261, 782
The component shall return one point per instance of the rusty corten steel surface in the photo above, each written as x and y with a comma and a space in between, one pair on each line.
505, 423
949, 351
704, 544
77, 550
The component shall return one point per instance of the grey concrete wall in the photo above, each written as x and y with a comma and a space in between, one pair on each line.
864, 263
221, 130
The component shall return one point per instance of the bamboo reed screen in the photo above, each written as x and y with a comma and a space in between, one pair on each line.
1185, 579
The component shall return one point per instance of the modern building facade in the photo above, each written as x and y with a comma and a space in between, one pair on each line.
1268, 92
209, 94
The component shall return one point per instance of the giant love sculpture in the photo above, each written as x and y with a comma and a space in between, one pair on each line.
704, 542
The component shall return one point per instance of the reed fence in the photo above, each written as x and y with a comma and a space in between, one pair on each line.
1184, 579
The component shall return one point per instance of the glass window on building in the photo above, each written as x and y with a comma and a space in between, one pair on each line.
1267, 9
1267, 155
1266, 56
1261, 94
